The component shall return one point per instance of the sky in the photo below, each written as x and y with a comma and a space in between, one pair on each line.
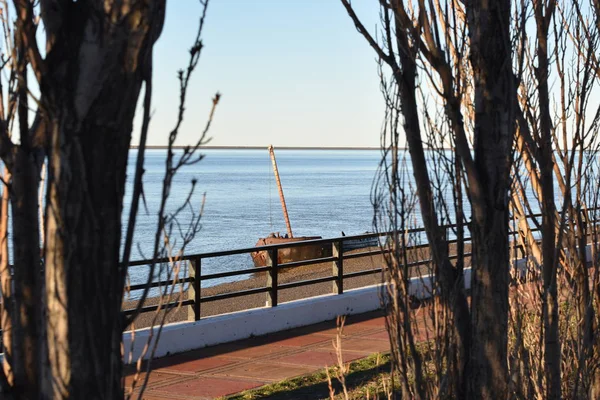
291, 73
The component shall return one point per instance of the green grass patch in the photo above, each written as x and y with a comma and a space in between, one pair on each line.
365, 375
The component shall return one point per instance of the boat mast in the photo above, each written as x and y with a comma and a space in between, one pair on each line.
281, 198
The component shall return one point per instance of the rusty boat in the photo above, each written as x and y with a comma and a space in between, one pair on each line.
289, 254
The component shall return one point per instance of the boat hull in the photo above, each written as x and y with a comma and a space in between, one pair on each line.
291, 254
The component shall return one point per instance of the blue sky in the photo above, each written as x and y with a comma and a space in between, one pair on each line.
292, 73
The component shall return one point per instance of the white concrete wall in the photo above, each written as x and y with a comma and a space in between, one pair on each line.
184, 336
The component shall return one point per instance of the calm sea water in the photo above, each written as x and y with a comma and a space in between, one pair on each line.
326, 191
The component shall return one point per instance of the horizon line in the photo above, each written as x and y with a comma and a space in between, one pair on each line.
180, 147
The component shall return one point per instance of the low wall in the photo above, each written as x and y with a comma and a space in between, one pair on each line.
186, 336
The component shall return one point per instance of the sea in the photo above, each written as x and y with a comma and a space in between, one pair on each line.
327, 192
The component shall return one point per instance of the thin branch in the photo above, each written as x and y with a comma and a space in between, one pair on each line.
170, 170
27, 32
388, 58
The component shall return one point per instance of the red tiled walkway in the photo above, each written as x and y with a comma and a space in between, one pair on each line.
231, 368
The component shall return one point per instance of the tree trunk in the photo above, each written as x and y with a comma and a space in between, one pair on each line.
27, 275
6, 283
586, 312
95, 71
490, 56
552, 353
451, 282
488, 371
83, 285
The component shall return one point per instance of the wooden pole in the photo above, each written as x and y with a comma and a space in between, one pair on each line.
281, 197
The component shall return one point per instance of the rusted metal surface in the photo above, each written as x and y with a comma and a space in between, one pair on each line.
290, 254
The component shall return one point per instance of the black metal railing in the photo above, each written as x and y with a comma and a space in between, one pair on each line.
193, 298
273, 269
272, 286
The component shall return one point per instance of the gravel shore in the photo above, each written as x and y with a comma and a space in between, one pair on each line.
259, 280
285, 295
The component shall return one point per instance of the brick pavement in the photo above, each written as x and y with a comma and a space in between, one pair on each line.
231, 368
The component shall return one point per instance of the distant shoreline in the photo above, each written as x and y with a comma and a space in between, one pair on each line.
153, 147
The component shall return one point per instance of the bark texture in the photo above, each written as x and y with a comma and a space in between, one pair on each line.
61, 310
552, 352
490, 56
27, 275
99, 59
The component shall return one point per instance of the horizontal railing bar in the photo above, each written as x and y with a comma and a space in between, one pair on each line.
231, 295
341, 239
311, 242
234, 273
363, 273
366, 253
452, 241
162, 307
419, 263
163, 260
169, 282
286, 245
302, 263
454, 257
271, 247
307, 282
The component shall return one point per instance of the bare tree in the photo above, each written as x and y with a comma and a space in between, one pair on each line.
559, 147
61, 310
488, 73
399, 51
434, 32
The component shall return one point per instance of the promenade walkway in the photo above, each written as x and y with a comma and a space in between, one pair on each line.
231, 368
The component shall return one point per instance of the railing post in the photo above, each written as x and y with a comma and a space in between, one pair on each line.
194, 289
272, 276
338, 266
